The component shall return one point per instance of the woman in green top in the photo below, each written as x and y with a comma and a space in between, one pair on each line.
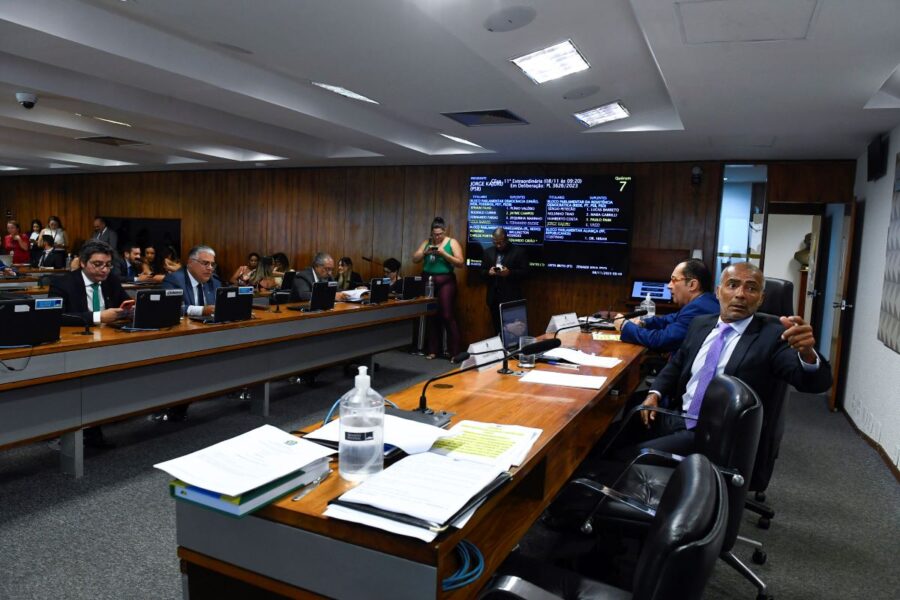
441, 255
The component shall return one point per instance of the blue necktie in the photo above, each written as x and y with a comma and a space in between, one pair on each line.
706, 373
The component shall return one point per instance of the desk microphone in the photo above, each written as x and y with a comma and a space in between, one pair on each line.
87, 323
371, 260
635, 313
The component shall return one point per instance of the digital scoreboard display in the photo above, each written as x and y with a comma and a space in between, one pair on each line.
579, 224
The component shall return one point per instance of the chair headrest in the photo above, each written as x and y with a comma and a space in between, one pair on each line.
778, 297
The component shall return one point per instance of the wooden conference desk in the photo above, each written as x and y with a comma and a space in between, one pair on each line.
61, 388
291, 549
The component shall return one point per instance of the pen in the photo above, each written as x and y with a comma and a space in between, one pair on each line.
311, 485
563, 365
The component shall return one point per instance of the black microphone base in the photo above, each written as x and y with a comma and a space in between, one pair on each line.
438, 419
506, 371
88, 332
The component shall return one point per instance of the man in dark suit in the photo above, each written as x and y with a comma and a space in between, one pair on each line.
198, 281
129, 267
322, 269
757, 348
50, 257
91, 294
504, 265
104, 234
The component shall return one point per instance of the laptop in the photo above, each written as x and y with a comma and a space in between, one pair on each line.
155, 309
232, 304
513, 323
413, 287
29, 321
379, 290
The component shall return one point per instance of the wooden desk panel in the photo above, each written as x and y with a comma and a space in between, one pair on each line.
572, 421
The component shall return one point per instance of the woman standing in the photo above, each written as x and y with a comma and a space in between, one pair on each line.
54, 228
441, 254
16, 243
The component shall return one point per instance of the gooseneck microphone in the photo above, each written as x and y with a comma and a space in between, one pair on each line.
87, 323
372, 260
535, 348
630, 315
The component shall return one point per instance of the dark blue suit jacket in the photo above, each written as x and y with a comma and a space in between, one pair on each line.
179, 280
666, 333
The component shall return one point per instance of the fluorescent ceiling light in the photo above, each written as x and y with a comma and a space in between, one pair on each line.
8, 168
123, 124
460, 140
343, 92
552, 63
602, 114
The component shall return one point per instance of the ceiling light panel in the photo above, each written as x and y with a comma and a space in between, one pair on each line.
460, 140
343, 92
552, 63
602, 114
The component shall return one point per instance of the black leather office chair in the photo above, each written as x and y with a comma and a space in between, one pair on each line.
727, 433
685, 536
779, 301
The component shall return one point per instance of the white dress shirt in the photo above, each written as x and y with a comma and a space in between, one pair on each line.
194, 310
90, 297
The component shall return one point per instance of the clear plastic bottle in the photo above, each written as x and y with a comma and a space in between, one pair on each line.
68, 262
429, 287
361, 443
650, 306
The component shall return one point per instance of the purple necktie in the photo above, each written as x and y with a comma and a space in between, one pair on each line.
706, 374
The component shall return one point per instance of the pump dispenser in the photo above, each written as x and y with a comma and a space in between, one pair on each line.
361, 443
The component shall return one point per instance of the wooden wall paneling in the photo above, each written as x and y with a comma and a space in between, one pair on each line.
388, 189
331, 211
302, 246
418, 211
280, 232
359, 226
826, 181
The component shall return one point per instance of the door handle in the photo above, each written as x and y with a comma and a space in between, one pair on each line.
812, 293
841, 305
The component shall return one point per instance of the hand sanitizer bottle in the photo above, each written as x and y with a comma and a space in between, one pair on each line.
650, 306
361, 442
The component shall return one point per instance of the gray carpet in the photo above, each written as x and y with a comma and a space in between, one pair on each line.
112, 534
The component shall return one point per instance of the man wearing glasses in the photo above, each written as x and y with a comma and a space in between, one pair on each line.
691, 287
198, 281
93, 293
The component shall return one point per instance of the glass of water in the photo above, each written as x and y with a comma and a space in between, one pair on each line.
526, 361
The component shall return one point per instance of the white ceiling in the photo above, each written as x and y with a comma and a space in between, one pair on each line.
708, 79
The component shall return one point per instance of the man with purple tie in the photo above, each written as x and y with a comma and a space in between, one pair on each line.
757, 348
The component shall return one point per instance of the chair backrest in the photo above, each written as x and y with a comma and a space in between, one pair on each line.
686, 535
778, 297
727, 433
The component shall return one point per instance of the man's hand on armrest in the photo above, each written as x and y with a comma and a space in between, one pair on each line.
647, 416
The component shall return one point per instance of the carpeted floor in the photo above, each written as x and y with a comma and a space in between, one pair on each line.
112, 533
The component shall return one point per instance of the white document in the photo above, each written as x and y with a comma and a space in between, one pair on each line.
490, 443
580, 358
409, 436
590, 382
355, 295
558, 322
493, 343
426, 486
245, 462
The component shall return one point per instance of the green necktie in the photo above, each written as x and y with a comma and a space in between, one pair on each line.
96, 295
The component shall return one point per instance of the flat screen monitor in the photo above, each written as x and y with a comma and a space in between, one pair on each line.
513, 323
323, 294
570, 224
658, 290
157, 309
287, 282
413, 287
29, 321
379, 289
233, 304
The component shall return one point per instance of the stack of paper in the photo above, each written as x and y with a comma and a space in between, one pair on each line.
488, 443
554, 378
263, 462
420, 495
581, 358
410, 436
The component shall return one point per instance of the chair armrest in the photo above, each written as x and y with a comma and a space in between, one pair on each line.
673, 459
733, 476
511, 586
616, 495
634, 411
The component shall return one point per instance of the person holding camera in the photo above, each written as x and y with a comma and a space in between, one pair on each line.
441, 255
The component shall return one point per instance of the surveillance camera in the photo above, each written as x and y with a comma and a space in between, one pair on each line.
26, 99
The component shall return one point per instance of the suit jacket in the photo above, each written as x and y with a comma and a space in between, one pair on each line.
759, 358
110, 237
55, 260
70, 287
303, 285
665, 333
179, 280
504, 289
122, 270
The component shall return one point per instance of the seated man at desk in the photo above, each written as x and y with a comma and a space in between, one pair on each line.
691, 286
91, 294
130, 267
50, 257
322, 269
755, 348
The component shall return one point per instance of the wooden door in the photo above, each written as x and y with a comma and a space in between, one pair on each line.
844, 300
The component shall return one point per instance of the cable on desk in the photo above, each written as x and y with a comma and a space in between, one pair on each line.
470, 569
27, 359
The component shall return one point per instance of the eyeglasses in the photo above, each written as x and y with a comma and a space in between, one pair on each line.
205, 263
100, 266
674, 279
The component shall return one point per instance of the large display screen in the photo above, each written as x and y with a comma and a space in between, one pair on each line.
579, 224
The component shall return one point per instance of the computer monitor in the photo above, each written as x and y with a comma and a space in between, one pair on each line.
233, 304
29, 321
157, 309
413, 287
379, 289
658, 290
287, 282
513, 323
323, 294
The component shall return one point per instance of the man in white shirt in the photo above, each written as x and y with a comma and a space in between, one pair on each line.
198, 280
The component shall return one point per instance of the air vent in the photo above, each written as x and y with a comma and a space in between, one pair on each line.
478, 118
108, 140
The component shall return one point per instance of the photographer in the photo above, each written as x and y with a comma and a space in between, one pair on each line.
441, 255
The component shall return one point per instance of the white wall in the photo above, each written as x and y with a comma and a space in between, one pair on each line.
784, 236
873, 379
